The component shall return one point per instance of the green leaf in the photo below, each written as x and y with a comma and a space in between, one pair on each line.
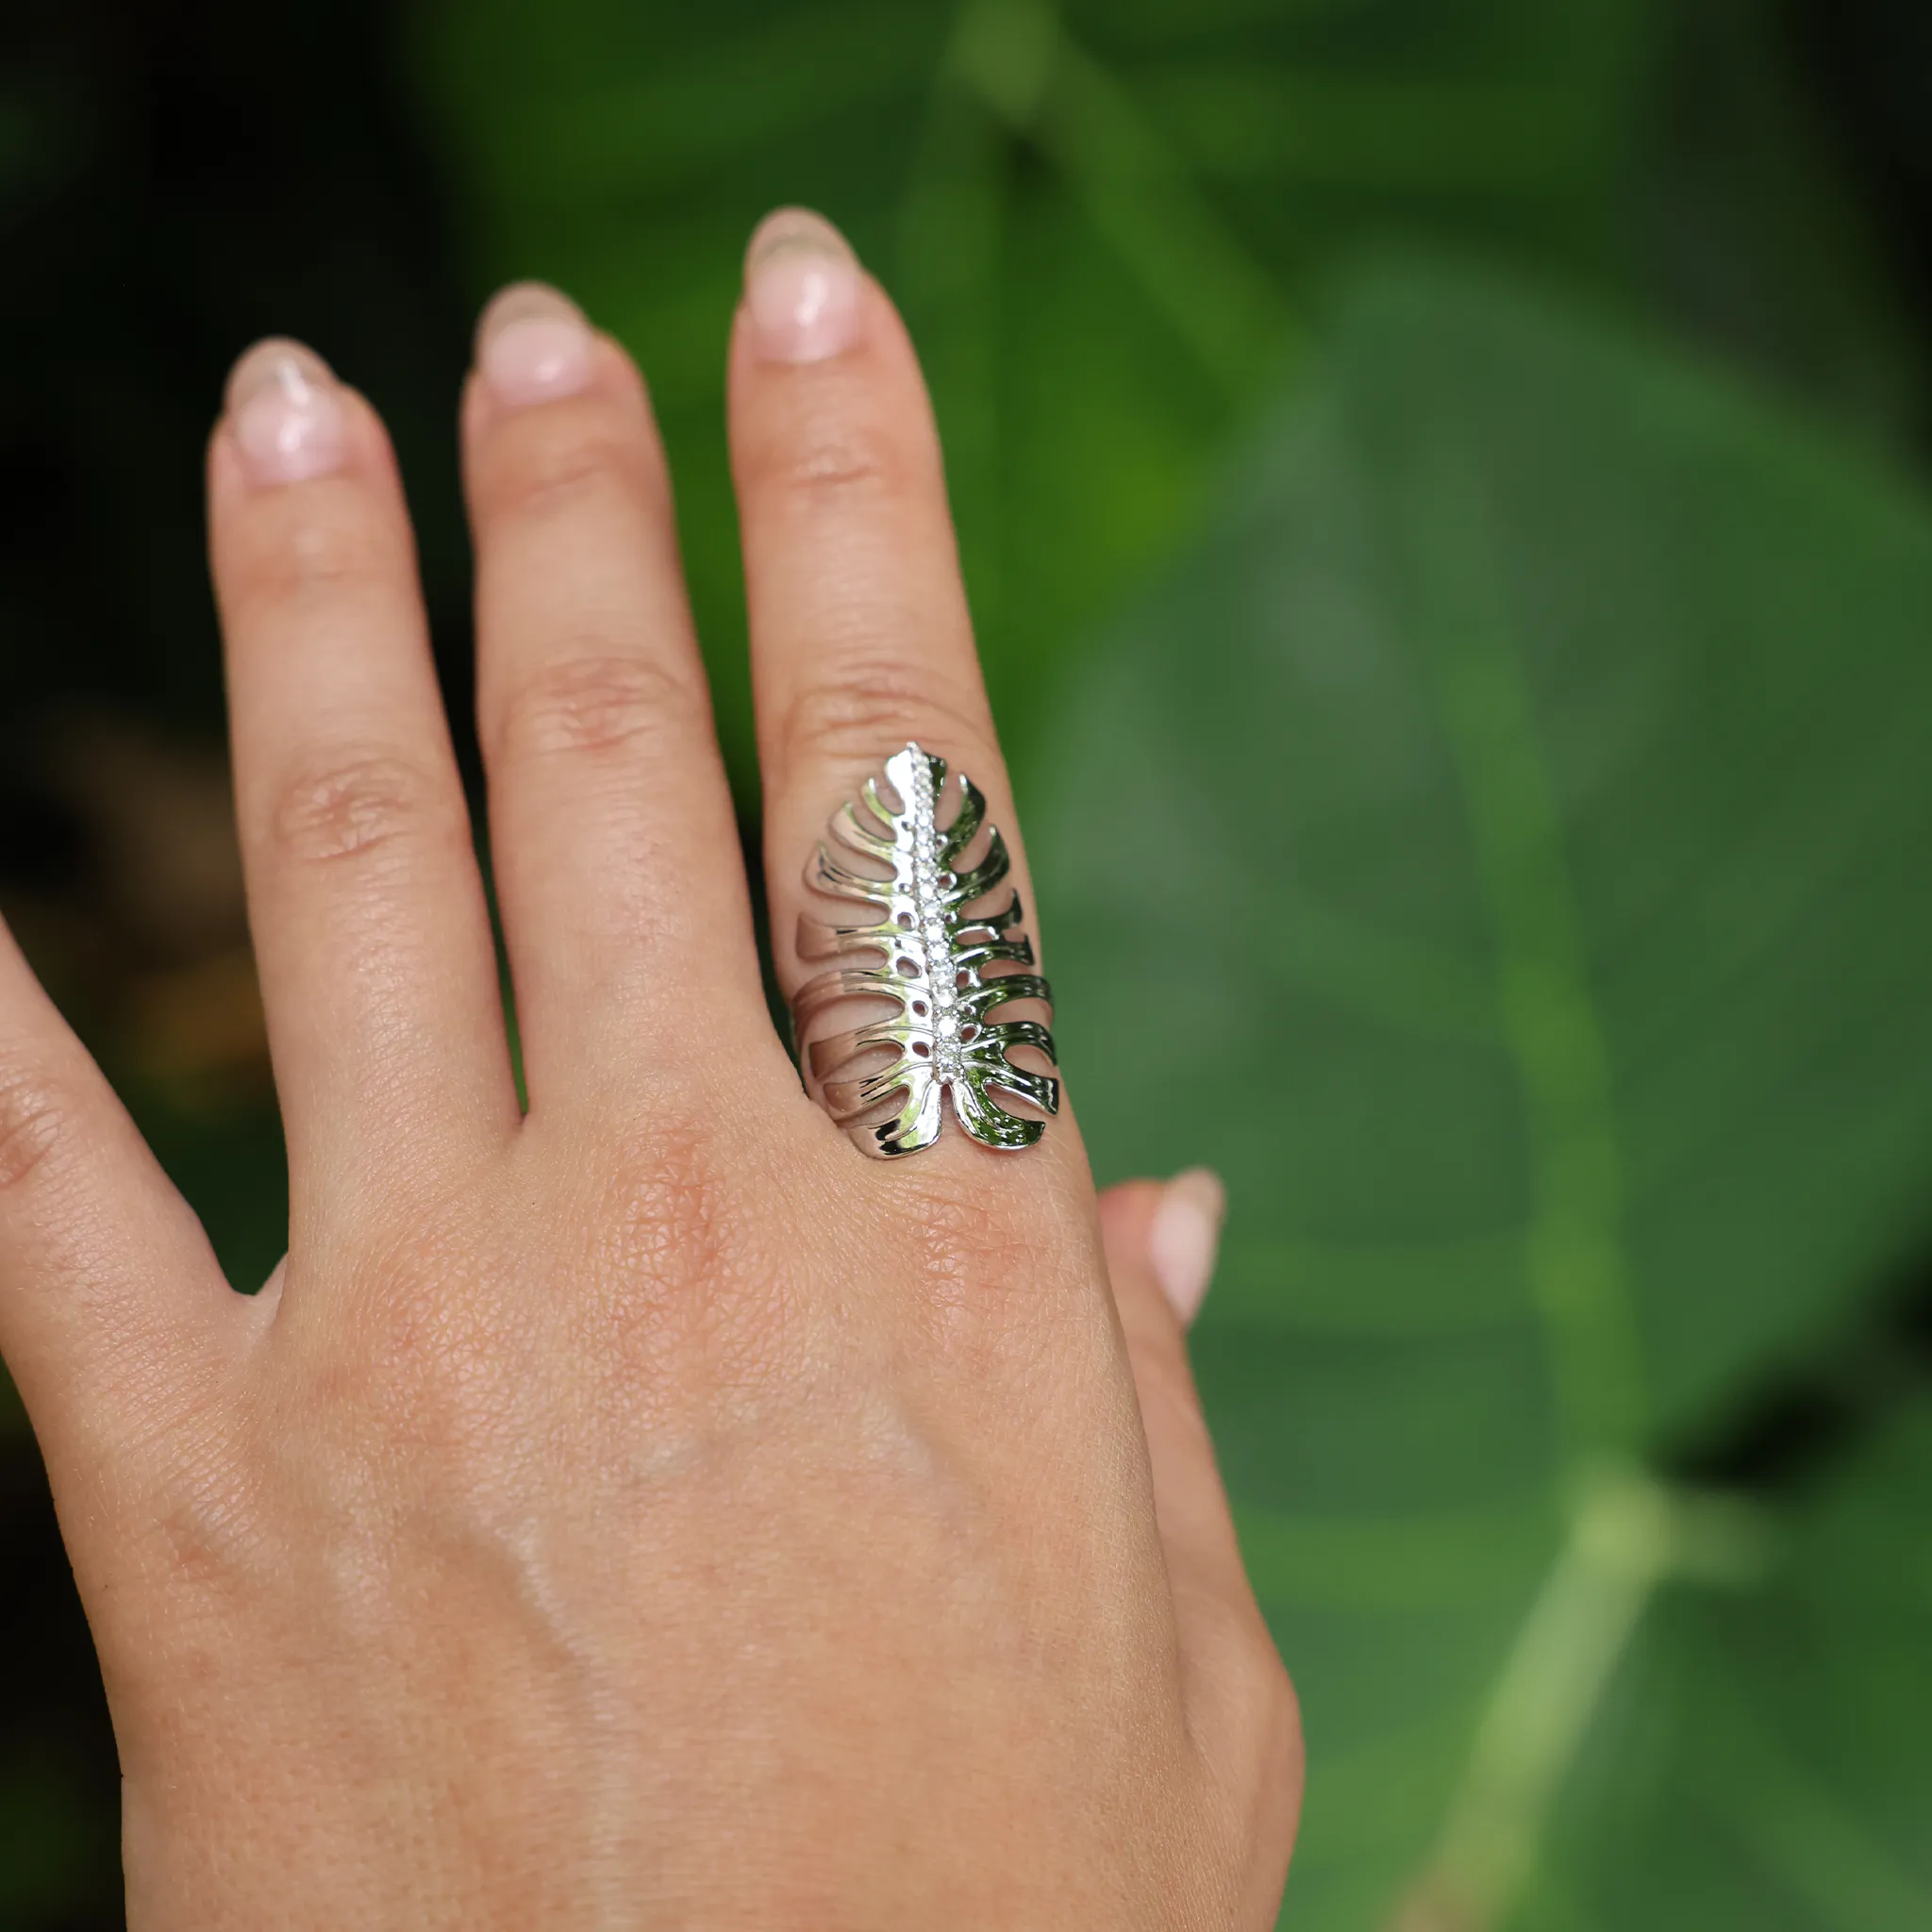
1767, 1764
1528, 768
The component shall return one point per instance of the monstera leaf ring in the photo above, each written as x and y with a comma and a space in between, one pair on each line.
942, 964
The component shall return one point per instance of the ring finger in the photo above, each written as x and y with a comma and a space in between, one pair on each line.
862, 645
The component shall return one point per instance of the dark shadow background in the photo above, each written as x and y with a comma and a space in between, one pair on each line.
176, 181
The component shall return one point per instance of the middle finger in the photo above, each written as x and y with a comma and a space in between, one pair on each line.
615, 846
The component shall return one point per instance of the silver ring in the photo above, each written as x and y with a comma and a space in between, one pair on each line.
886, 1081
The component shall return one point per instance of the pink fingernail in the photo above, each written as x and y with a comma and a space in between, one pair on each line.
286, 414
533, 345
801, 288
1185, 1239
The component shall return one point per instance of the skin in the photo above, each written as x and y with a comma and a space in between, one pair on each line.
645, 1510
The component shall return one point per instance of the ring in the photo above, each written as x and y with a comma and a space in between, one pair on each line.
935, 950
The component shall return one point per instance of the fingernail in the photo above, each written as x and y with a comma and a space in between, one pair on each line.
801, 287
533, 345
1185, 1238
286, 414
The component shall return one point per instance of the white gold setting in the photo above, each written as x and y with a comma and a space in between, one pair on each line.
934, 950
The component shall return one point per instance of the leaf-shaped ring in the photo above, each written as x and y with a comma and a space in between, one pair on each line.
934, 950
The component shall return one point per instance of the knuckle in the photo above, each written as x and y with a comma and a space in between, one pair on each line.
597, 701
329, 554
1283, 1741
1260, 1692
838, 468
348, 809
877, 702
692, 1307
553, 469
200, 1514
1161, 1369
995, 1276
671, 1213
1270, 1688
37, 1118
1251, 1733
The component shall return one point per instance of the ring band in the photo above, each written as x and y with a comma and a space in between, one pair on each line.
935, 951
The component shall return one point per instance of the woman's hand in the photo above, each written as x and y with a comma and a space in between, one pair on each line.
645, 1511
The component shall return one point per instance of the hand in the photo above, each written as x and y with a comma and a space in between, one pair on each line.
645, 1511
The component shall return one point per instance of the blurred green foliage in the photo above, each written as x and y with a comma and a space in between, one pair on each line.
1524, 715
1537, 954
1106, 223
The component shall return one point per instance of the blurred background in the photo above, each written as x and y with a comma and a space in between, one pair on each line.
1443, 486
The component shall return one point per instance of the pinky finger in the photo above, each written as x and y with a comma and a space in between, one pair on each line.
1161, 1242
108, 1292
1161, 1245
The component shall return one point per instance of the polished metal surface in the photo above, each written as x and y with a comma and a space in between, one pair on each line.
887, 1080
